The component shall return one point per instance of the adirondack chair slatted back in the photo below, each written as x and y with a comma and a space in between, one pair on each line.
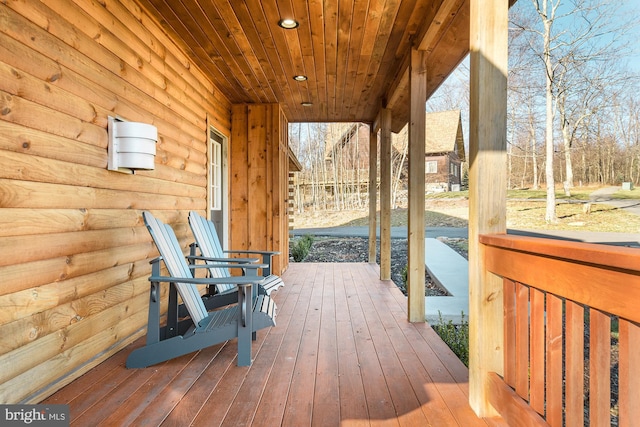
205, 234
169, 248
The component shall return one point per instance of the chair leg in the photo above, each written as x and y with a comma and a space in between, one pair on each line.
245, 302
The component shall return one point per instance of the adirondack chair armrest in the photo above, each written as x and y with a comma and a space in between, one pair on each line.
252, 252
267, 257
233, 280
225, 260
252, 267
250, 270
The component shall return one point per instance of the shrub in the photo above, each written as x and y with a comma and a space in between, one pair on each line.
455, 336
300, 248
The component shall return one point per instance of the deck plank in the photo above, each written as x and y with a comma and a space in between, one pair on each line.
272, 406
326, 402
383, 327
243, 408
342, 353
353, 402
379, 401
299, 407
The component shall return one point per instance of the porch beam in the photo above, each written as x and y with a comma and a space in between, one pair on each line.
373, 191
385, 194
415, 238
487, 191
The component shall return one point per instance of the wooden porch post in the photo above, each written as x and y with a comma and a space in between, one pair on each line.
415, 273
385, 194
487, 191
373, 191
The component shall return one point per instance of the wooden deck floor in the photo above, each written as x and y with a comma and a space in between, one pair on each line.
342, 354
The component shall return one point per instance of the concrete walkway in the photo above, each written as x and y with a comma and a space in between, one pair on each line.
604, 196
449, 270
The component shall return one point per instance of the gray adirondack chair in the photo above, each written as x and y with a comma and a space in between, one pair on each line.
202, 328
208, 244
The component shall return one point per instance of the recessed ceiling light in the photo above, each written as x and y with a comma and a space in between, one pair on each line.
288, 23
300, 78
307, 104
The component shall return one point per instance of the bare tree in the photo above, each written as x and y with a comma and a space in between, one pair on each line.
571, 34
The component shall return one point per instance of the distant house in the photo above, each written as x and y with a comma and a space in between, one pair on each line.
444, 151
347, 146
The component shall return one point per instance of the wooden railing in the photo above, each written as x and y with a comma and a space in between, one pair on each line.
568, 307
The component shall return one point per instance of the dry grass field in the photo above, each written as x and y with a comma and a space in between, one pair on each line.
525, 210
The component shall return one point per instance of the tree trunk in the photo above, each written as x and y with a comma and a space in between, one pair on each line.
566, 140
550, 213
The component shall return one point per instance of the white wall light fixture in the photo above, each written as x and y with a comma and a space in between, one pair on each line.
132, 145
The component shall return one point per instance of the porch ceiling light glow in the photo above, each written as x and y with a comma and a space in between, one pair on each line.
300, 78
307, 104
288, 23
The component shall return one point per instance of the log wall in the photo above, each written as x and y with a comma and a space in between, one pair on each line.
73, 249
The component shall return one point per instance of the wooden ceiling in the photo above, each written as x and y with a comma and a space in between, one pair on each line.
354, 52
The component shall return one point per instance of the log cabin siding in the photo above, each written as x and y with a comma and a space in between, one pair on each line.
73, 249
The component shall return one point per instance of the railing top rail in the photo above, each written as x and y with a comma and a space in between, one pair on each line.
603, 277
608, 256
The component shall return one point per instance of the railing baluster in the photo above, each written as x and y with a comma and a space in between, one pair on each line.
522, 339
554, 360
510, 332
574, 365
599, 368
629, 373
537, 350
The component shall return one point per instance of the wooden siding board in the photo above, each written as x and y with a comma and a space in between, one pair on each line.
257, 146
25, 167
19, 139
238, 152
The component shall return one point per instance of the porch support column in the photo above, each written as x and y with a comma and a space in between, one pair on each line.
487, 191
415, 272
373, 191
385, 194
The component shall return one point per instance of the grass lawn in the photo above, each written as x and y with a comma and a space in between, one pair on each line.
525, 210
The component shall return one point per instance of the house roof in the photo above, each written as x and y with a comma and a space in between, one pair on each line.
339, 135
443, 133
355, 54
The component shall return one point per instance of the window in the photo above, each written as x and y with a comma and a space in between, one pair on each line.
431, 166
216, 171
